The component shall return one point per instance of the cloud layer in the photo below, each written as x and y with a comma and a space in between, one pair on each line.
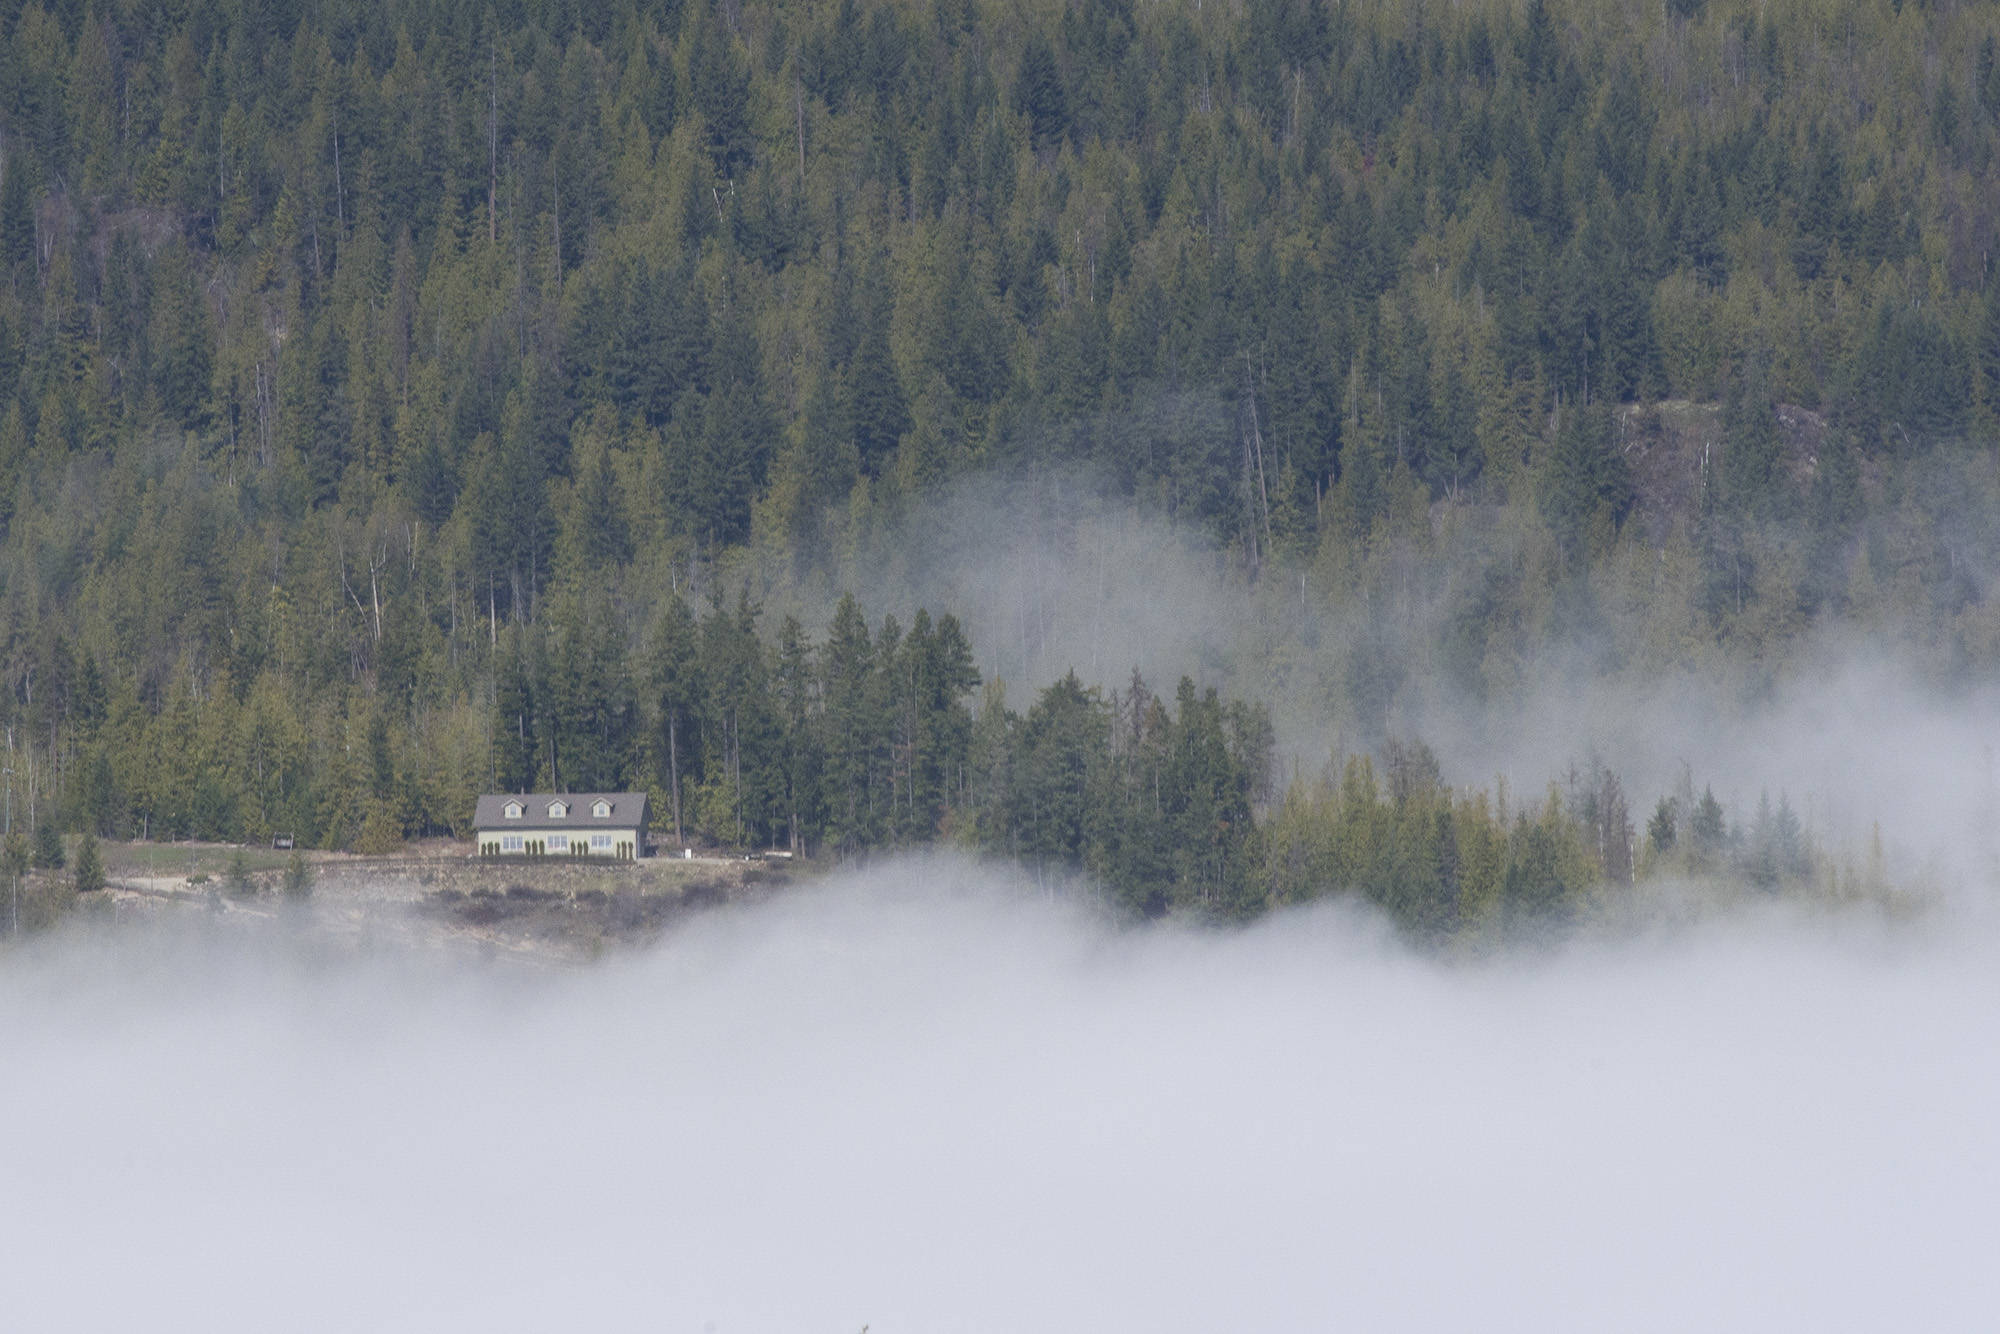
925, 1099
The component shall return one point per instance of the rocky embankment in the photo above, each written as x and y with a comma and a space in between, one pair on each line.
550, 912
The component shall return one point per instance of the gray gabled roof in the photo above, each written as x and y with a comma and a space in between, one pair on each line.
628, 811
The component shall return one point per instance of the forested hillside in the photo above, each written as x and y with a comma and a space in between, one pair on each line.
400, 399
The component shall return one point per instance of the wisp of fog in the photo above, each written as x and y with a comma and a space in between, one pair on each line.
924, 1097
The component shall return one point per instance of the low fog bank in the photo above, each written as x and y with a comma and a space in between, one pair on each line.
1050, 574
926, 1098
1854, 739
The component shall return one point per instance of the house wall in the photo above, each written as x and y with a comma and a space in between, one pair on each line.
493, 842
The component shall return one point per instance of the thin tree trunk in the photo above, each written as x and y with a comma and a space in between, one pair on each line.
493, 142
674, 772
555, 208
1257, 437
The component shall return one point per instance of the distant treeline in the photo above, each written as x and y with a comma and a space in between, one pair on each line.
365, 366
873, 741
1446, 862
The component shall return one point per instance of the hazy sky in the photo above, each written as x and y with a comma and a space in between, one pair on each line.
925, 1099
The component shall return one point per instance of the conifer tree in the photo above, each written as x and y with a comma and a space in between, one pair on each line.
1987, 354
49, 855
1750, 442
89, 864
17, 214
719, 88
1709, 832
1039, 94
1587, 477
297, 882
180, 340
238, 879
678, 704
875, 399
847, 684
430, 484
801, 760
1663, 830
332, 369
1061, 743
515, 728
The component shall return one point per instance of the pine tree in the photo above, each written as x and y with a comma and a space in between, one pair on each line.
14, 862
430, 483
89, 864
515, 740
733, 448
1822, 210
1708, 831
182, 345
17, 213
1624, 130
607, 536
1759, 858
1039, 94
1791, 851
1587, 478
875, 399
1750, 442
1987, 354
1539, 888
678, 704
719, 87
48, 847
238, 880
794, 688
1836, 505
592, 716
1061, 744
1662, 831
853, 728
1412, 411
1304, 386
742, 733
1457, 457
297, 883
1699, 238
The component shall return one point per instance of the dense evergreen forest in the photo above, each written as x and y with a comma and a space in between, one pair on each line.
400, 400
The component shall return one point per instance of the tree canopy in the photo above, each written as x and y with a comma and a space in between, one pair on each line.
399, 400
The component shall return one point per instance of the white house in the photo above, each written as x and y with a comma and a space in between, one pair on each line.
562, 824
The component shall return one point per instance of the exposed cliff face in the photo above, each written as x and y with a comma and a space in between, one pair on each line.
1667, 444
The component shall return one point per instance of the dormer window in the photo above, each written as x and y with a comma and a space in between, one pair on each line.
513, 810
558, 810
601, 809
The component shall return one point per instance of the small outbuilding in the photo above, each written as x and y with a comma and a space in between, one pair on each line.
562, 824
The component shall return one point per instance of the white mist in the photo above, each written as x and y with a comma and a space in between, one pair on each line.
925, 1099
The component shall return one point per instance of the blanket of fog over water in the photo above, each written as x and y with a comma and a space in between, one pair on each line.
1050, 575
925, 1098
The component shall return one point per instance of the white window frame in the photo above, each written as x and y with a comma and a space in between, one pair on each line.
510, 843
513, 810
601, 810
558, 810
558, 842
600, 841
